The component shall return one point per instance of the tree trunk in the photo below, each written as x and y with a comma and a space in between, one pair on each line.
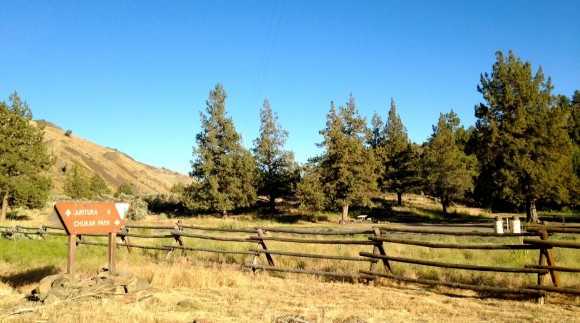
272, 203
399, 198
345, 214
225, 214
4, 207
531, 212
444, 204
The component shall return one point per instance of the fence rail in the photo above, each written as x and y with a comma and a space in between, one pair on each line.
260, 240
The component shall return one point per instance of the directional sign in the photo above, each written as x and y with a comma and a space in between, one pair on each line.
91, 217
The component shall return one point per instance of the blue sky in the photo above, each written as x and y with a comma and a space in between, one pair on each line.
134, 75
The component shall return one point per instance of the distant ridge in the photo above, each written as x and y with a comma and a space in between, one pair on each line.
113, 166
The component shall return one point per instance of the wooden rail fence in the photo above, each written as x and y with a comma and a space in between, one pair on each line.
370, 245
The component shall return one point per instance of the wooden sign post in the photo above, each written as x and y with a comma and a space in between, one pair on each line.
91, 218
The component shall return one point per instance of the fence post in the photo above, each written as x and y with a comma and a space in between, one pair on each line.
125, 239
549, 257
378, 249
42, 231
262, 244
176, 239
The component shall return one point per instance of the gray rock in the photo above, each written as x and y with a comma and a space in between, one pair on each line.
64, 281
119, 290
188, 304
292, 318
51, 299
46, 284
137, 285
353, 319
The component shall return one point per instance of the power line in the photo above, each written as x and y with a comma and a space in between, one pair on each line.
265, 63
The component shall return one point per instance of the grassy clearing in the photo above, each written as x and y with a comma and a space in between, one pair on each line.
200, 285
218, 292
54, 248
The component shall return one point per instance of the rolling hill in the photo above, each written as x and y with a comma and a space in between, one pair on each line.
113, 166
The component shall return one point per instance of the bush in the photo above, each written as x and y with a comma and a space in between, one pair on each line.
68, 133
124, 189
165, 203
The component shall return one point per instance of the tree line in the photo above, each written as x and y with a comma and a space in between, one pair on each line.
524, 150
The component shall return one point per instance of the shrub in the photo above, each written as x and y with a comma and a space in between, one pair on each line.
124, 189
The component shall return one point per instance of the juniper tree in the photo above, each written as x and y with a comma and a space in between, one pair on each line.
449, 171
24, 158
77, 183
124, 189
277, 171
574, 131
347, 167
309, 189
377, 132
571, 110
223, 168
98, 185
523, 145
400, 167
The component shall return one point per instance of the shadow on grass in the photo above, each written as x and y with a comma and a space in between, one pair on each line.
29, 277
386, 213
436, 216
287, 218
15, 217
560, 218
485, 295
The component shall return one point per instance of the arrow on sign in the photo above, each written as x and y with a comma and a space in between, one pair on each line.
67, 212
117, 222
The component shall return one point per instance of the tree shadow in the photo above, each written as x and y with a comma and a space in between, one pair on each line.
14, 216
386, 213
454, 217
30, 276
287, 218
560, 218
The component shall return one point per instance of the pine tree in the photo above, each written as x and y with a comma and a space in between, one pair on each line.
23, 158
574, 131
377, 132
277, 171
571, 110
98, 186
449, 171
124, 189
224, 169
523, 145
400, 171
347, 167
309, 190
77, 183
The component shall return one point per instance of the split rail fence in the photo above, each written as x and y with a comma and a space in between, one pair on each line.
283, 250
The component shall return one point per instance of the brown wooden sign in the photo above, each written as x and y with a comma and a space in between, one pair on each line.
91, 217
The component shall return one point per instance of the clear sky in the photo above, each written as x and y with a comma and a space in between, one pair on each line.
134, 75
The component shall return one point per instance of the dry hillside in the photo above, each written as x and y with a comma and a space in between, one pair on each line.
113, 166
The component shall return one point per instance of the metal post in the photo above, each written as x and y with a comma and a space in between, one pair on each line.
498, 225
516, 224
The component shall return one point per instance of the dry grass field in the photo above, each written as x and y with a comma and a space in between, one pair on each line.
191, 288
185, 292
